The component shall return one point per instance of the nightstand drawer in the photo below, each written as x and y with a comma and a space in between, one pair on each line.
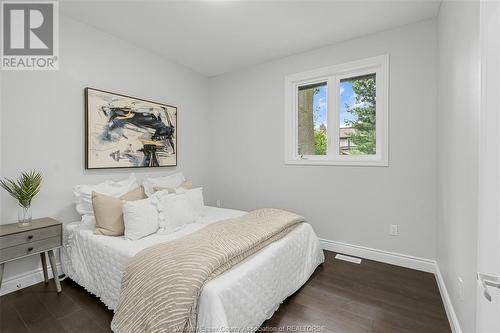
14, 252
29, 236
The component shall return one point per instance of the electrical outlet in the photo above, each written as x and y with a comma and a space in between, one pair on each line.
394, 230
461, 293
217, 203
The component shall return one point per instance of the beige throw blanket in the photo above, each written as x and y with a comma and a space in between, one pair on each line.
161, 285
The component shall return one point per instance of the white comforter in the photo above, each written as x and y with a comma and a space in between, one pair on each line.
241, 298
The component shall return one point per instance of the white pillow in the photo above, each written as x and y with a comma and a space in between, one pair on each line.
194, 197
172, 181
89, 220
174, 211
140, 218
83, 193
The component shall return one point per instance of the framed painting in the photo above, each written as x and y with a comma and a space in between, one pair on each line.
128, 132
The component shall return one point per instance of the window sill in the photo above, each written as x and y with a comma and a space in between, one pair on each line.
365, 163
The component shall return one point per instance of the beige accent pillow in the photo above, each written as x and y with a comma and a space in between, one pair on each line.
108, 211
188, 184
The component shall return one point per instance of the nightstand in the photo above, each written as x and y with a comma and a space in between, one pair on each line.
43, 235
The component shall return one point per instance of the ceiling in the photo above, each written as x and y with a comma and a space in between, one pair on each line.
214, 37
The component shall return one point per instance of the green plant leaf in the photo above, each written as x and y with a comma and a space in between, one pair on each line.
25, 188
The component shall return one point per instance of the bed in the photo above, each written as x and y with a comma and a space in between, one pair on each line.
241, 298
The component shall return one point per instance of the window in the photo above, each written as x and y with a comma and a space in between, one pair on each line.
338, 115
312, 115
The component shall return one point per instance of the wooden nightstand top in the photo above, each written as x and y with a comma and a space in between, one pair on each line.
13, 228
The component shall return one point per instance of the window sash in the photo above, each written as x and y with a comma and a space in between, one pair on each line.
332, 76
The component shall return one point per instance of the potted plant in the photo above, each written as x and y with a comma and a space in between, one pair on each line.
24, 189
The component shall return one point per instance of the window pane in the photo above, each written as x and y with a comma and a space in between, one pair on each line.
312, 113
357, 115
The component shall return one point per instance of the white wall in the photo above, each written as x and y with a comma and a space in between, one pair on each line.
459, 99
348, 204
42, 117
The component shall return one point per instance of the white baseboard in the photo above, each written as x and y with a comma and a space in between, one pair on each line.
448, 306
24, 280
403, 260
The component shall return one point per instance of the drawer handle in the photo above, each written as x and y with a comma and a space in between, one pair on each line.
30, 249
30, 237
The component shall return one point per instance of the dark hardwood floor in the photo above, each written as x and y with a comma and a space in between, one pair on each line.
339, 297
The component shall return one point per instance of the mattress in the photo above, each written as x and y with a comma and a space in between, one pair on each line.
240, 299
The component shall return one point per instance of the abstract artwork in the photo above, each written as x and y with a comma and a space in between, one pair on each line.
128, 132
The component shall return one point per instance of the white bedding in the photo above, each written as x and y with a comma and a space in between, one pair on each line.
241, 298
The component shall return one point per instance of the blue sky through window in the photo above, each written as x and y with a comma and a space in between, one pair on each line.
347, 96
320, 107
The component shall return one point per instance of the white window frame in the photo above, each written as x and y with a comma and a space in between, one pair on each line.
332, 75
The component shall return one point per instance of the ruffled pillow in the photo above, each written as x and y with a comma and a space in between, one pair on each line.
171, 181
174, 211
83, 193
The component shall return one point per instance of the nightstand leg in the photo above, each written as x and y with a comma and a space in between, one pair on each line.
54, 270
1, 274
44, 267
